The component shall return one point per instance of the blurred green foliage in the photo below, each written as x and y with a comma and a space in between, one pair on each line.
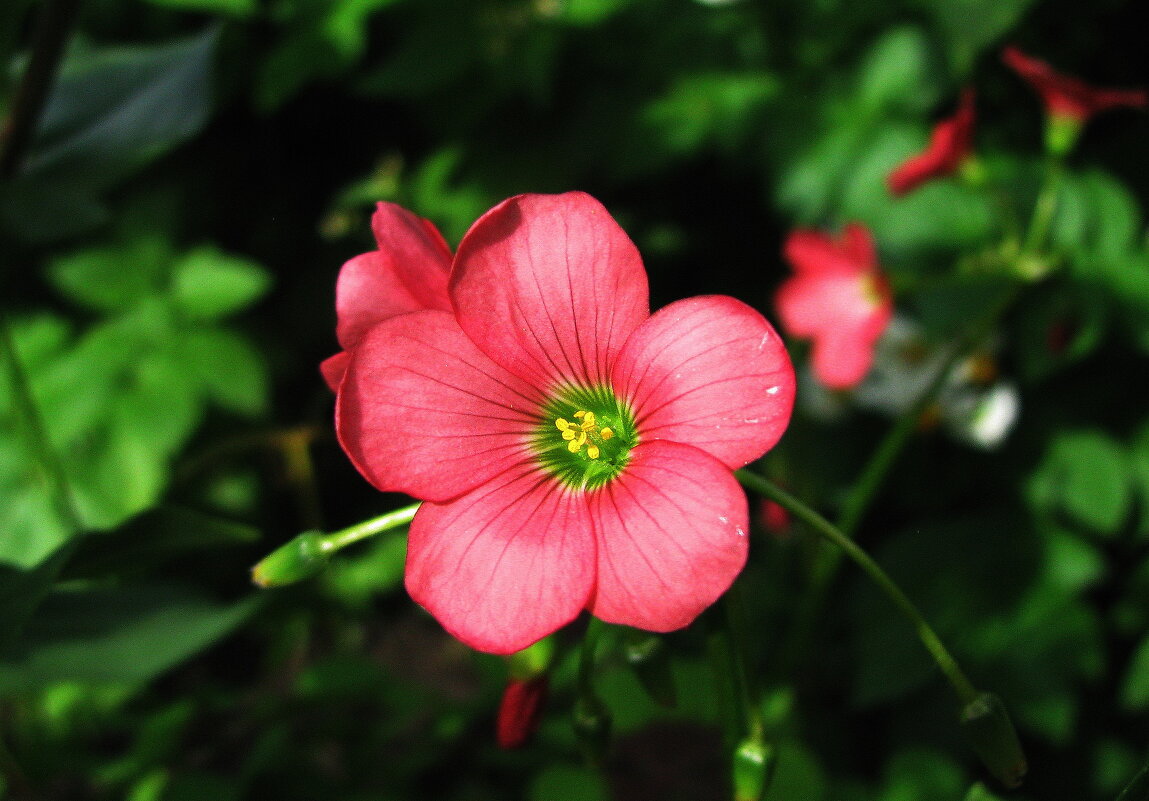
168, 250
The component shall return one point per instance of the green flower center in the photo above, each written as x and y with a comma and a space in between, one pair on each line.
584, 436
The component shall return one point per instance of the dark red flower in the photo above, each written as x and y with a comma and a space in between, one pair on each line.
950, 145
520, 710
1066, 96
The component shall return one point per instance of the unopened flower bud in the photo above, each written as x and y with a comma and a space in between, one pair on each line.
752, 768
991, 733
648, 657
520, 710
294, 561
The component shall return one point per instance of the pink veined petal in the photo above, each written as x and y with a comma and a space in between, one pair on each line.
333, 368
422, 411
421, 257
408, 273
505, 565
550, 287
709, 372
671, 533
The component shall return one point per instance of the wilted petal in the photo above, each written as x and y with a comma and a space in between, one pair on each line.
671, 533
709, 372
505, 565
422, 411
550, 287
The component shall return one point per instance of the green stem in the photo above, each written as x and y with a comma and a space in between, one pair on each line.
743, 684
875, 471
361, 531
52, 30
929, 638
37, 434
1045, 207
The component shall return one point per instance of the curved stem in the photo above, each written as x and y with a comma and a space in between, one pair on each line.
929, 638
745, 690
369, 528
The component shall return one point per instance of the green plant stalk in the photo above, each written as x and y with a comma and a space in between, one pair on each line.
57, 18
1045, 207
929, 638
369, 528
744, 688
36, 433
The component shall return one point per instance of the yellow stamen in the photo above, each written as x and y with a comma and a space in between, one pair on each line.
561, 424
588, 421
579, 413
592, 451
568, 434
606, 433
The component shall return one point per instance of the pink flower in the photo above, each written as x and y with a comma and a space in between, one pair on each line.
1068, 97
775, 518
573, 450
519, 711
950, 145
837, 297
407, 273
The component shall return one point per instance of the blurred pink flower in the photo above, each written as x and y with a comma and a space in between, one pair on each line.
837, 297
950, 145
572, 450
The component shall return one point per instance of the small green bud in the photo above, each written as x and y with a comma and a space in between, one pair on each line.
648, 656
532, 661
592, 724
991, 733
1061, 132
294, 561
753, 766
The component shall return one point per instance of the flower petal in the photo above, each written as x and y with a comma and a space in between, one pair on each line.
505, 565
671, 533
407, 273
813, 253
333, 369
550, 287
709, 372
842, 359
422, 411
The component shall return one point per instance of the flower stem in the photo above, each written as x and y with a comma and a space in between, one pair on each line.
744, 689
929, 638
1045, 207
369, 528
308, 554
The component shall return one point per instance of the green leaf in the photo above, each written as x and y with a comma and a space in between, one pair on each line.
228, 369
115, 278
111, 111
208, 284
969, 26
1135, 685
1097, 219
568, 782
21, 591
897, 73
231, 8
1084, 479
115, 636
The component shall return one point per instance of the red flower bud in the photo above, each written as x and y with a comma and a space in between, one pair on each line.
520, 710
1066, 96
950, 145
